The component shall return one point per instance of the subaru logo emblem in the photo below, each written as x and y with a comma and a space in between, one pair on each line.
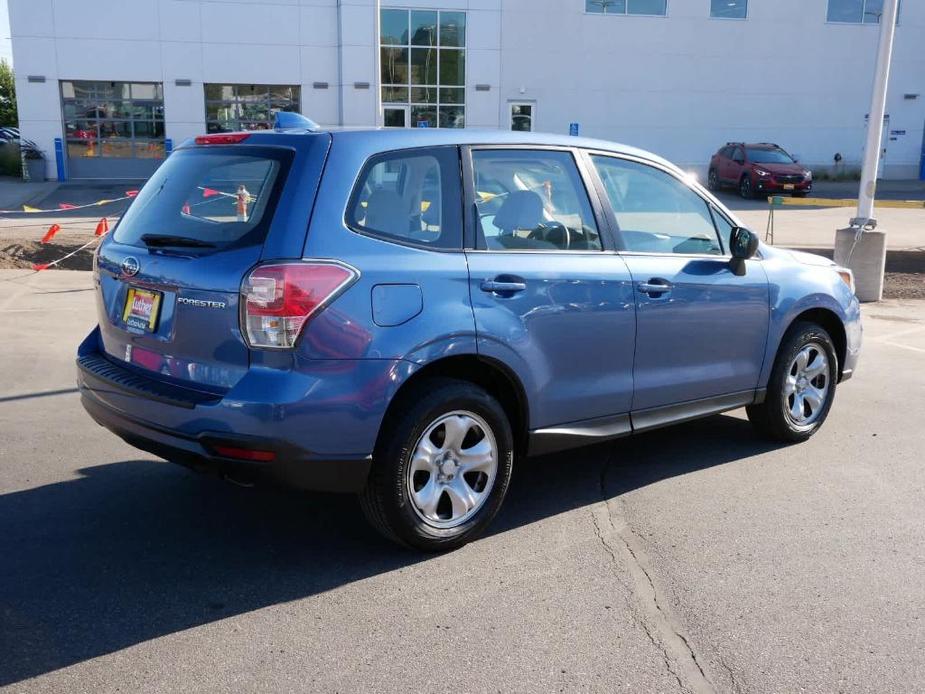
130, 266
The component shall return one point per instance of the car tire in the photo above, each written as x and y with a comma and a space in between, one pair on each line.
431, 487
745, 188
713, 180
802, 386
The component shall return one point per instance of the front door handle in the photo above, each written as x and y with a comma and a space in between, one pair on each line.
655, 287
507, 285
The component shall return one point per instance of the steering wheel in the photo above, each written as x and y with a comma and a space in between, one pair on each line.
544, 230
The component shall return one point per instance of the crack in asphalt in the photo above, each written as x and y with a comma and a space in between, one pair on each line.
736, 687
640, 621
655, 619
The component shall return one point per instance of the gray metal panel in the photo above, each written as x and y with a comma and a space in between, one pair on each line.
111, 168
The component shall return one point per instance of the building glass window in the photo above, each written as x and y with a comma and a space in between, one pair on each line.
113, 119
231, 107
856, 11
423, 54
729, 9
655, 8
522, 117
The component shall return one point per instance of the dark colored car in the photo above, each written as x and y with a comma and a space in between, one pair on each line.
406, 314
758, 169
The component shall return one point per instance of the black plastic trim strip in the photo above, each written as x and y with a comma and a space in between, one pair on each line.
656, 417
577, 434
591, 431
122, 379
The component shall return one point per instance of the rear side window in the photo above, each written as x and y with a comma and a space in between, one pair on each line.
218, 196
411, 196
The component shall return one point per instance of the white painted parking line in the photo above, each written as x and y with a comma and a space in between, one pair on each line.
901, 333
902, 346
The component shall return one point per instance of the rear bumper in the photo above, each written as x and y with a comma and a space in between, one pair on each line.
291, 467
319, 419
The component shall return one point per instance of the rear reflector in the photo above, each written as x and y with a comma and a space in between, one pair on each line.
278, 300
223, 139
245, 454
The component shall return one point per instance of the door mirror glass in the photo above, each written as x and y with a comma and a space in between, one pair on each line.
743, 243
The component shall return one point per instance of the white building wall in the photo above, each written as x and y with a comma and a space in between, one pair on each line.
680, 85
683, 85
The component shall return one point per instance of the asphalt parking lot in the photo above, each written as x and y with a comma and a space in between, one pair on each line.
692, 559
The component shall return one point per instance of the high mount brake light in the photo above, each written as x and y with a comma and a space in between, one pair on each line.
277, 300
223, 139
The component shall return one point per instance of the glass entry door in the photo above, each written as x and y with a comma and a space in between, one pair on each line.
396, 116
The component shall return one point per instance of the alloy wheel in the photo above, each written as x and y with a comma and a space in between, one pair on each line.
806, 387
452, 469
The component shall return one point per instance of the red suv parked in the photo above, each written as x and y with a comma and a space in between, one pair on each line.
758, 169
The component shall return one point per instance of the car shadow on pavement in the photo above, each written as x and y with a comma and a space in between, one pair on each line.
135, 550
557, 483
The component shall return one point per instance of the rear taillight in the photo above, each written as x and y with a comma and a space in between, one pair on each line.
278, 300
222, 139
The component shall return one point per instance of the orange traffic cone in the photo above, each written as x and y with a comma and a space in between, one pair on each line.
102, 227
50, 234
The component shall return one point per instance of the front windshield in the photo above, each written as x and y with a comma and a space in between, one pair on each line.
769, 156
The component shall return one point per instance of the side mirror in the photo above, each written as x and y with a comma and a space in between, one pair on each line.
796, 158
743, 244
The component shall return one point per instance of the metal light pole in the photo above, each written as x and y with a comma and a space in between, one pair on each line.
377, 82
862, 247
873, 148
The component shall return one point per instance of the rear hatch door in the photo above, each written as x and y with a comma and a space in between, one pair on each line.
170, 275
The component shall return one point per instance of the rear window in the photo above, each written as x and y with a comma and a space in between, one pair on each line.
219, 196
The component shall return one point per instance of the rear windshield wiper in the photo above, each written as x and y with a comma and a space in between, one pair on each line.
160, 240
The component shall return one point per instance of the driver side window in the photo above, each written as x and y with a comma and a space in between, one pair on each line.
655, 212
531, 200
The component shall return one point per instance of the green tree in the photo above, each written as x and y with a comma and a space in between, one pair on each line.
8, 114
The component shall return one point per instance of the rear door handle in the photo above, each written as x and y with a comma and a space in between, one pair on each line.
507, 286
655, 286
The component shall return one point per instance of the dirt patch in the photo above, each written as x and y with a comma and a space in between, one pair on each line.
24, 253
900, 285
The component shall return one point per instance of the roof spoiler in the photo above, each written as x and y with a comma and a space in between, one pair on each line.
287, 120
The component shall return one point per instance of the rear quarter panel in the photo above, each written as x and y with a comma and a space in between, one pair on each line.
436, 322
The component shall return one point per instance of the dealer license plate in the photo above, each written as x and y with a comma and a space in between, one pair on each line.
141, 309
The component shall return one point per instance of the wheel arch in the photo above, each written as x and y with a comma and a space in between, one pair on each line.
492, 375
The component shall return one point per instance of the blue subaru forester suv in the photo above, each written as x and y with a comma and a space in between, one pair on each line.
404, 313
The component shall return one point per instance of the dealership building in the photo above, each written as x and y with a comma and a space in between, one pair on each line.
108, 87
